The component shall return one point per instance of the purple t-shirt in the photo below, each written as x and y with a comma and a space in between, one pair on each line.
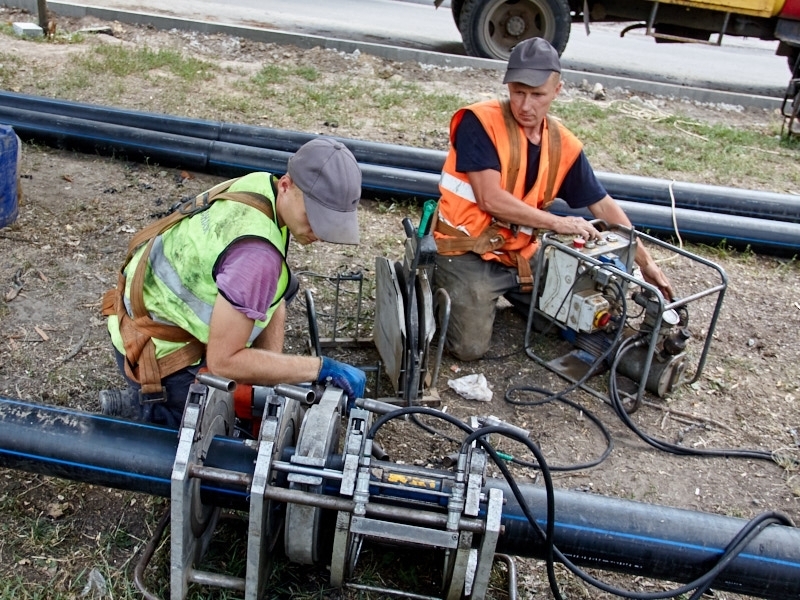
247, 276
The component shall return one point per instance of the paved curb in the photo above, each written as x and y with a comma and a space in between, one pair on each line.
393, 53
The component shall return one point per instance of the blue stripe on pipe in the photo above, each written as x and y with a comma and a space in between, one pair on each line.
642, 538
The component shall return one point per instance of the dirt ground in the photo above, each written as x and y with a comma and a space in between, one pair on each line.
78, 212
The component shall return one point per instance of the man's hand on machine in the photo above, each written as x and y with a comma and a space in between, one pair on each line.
653, 275
576, 226
350, 379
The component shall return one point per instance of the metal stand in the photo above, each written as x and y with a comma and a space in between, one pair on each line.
568, 296
407, 313
208, 413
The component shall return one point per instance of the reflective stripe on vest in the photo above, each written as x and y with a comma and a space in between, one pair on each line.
181, 291
464, 190
458, 207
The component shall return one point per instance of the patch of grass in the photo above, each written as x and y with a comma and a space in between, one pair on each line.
640, 138
327, 103
722, 250
307, 72
270, 75
9, 65
230, 103
123, 62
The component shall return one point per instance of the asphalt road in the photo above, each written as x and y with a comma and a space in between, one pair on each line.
740, 71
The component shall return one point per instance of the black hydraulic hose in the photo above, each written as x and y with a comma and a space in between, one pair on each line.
588, 533
700, 585
659, 192
591, 530
664, 446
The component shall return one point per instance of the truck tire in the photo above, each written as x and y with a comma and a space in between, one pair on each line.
793, 60
455, 8
491, 28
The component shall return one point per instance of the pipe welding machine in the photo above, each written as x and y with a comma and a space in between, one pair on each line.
313, 485
320, 491
581, 290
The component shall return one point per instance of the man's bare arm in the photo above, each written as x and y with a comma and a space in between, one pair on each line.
503, 206
227, 354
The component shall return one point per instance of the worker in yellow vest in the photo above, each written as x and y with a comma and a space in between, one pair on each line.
508, 160
208, 285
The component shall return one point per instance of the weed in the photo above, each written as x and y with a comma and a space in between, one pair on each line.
307, 72
270, 75
8, 69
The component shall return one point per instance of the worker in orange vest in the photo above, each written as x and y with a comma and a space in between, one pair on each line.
507, 162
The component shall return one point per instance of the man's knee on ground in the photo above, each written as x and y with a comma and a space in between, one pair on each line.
467, 350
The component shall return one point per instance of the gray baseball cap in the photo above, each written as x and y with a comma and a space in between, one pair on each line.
531, 62
329, 177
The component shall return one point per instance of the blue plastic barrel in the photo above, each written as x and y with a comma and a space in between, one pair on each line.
10, 149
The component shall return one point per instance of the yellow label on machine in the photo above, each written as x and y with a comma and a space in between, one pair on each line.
412, 481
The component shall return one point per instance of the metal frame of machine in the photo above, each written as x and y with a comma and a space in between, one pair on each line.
407, 313
466, 530
571, 293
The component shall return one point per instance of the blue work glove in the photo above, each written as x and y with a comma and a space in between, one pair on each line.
344, 376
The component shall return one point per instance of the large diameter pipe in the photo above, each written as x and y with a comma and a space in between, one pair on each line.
662, 192
112, 140
228, 159
656, 541
692, 225
596, 531
220, 158
406, 157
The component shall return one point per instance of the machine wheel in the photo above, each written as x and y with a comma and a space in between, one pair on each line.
217, 420
318, 439
491, 28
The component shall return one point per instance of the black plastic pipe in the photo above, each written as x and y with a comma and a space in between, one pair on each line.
777, 237
405, 157
229, 159
725, 200
180, 151
595, 531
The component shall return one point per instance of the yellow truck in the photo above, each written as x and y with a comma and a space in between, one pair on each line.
490, 28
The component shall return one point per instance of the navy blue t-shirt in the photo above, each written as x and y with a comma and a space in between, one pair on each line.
476, 152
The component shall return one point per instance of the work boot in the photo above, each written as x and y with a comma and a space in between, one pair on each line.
120, 403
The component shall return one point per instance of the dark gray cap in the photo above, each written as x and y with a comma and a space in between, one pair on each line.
531, 62
329, 177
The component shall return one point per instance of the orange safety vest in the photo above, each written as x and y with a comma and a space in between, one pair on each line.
462, 226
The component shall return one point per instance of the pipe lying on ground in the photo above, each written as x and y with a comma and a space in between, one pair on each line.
725, 200
227, 159
405, 157
597, 531
209, 156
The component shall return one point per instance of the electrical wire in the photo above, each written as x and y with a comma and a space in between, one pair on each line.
560, 396
619, 409
699, 585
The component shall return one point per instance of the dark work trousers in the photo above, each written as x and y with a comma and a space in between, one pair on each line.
167, 408
474, 286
